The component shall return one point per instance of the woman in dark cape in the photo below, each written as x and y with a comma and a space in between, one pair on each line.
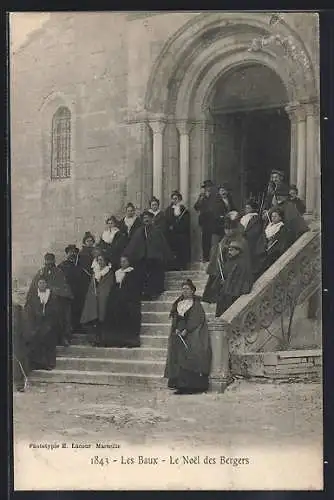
112, 242
159, 219
189, 356
237, 278
255, 236
41, 314
149, 252
178, 232
130, 223
277, 237
121, 327
85, 260
74, 275
233, 230
60, 290
95, 308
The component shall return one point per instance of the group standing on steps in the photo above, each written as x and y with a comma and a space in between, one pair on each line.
97, 290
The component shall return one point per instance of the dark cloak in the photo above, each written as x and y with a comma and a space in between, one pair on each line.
151, 244
159, 221
123, 227
299, 204
277, 245
257, 244
217, 262
238, 280
96, 299
85, 261
61, 290
121, 326
189, 368
75, 277
294, 223
208, 208
221, 211
42, 330
114, 250
178, 236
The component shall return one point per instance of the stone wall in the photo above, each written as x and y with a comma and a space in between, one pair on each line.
98, 65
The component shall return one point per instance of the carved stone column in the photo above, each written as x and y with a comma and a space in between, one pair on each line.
220, 375
293, 147
301, 151
184, 128
207, 154
312, 112
157, 127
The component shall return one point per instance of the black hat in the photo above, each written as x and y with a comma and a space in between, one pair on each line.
176, 193
49, 256
278, 172
155, 199
253, 203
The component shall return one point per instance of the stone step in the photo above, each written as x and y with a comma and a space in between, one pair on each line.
151, 340
175, 293
166, 305
137, 353
163, 317
111, 365
155, 329
154, 341
97, 378
193, 275
176, 284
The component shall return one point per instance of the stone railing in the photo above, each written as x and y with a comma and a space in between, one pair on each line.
292, 279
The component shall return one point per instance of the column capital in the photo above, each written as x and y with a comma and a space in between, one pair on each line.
296, 112
312, 108
157, 126
184, 126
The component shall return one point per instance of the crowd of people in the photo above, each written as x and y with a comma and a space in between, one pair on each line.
97, 290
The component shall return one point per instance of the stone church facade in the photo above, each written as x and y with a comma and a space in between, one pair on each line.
108, 108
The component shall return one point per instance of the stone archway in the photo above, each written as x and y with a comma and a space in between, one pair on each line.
183, 79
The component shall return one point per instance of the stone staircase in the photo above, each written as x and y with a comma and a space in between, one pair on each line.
83, 364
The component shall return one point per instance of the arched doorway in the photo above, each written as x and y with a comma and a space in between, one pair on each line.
251, 131
190, 78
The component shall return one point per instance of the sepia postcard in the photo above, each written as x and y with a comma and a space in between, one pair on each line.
166, 250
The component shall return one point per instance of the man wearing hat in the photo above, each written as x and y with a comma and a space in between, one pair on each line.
61, 290
275, 183
73, 274
207, 205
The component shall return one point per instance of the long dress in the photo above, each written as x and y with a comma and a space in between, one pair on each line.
255, 236
41, 322
277, 243
178, 236
159, 220
149, 253
85, 261
74, 275
122, 322
95, 307
114, 247
238, 280
217, 262
188, 363
61, 290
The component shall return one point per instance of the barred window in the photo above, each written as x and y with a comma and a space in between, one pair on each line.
61, 144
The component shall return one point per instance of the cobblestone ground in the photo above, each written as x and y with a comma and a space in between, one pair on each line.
247, 413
